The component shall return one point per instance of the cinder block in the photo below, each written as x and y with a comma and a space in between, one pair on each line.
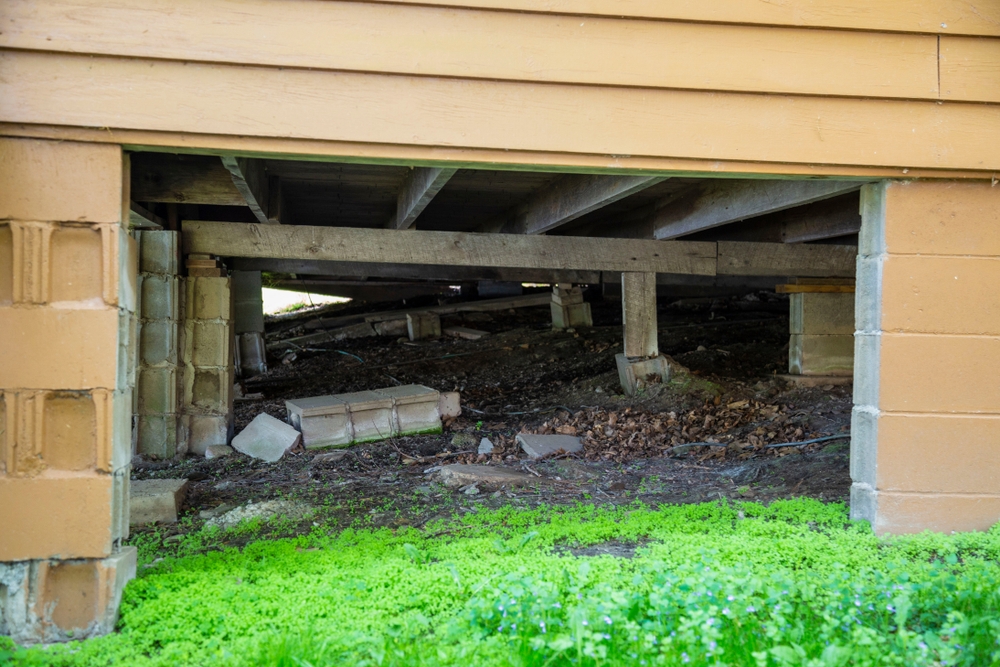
371, 415
323, 421
158, 342
128, 349
160, 298
121, 434
821, 313
636, 375
210, 389
70, 432
896, 513
940, 217
76, 264
208, 298
158, 435
124, 294
120, 505
210, 343
159, 252
51, 601
821, 354
157, 390
60, 180
6, 265
79, 348
415, 409
423, 325
205, 430
69, 514
156, 500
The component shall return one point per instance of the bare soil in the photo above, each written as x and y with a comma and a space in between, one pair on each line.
526, 377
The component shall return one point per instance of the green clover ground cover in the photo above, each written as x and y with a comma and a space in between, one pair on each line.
795, 583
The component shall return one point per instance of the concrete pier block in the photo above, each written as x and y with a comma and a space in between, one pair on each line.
636, 374
155, 500
323, 421
415, 409
420, 326
819, 354
575, 315
371, 415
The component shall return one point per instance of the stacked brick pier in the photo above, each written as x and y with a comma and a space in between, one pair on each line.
67, 321
925, 452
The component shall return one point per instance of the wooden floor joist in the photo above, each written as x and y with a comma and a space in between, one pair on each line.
346, 244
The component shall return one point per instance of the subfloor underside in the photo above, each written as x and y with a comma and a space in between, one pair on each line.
526, 377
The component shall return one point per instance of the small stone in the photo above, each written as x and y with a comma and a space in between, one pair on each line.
330, 457
701, 348
155, 500
598, 390
458, 475
485, 446
222, 486
423, 490
218, 451
463, 440
538, 446
266, 438
215, 511
471, 490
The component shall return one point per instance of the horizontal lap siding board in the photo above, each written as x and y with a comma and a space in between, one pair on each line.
83, 91
970, 69
349, 36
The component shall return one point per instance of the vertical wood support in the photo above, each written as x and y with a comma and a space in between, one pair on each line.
641, 363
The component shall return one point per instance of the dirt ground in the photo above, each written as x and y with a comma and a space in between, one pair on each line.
527, 378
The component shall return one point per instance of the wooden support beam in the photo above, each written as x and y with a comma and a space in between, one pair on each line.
639, 314
250, 178
182, 179
567, 199
455, 274
740, 258
277, 204
827, 219
348, 244
141, 218
727, 201
421, 186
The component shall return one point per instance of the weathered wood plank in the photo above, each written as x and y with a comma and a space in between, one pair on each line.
970, 69
84, 91
639, 314
567, 199
775, 259
421, 186
539, 46
250, 178
723, 202
142, 218
827, 219
182, 179
454, 248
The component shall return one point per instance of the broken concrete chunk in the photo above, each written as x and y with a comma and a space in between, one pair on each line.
217, 451
266, 438
459, 475
450, 404
465, 332
539, 446
152, 500
485, 446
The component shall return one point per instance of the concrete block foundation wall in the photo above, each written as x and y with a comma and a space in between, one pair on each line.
161, 432
68, 283
925, 452
822, 333
207, 359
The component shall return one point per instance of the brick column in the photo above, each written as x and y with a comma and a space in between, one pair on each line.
248, 304
67, 323
925, 452
161, 433
208, 362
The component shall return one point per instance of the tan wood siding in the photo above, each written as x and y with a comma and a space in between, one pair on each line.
353, 36
172, 96
970, 69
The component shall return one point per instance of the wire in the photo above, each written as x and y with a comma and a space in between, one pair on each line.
776, 445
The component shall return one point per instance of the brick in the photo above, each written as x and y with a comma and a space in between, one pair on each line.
58, 515
821, 354
158, 342
953, 295
942, 218
70, 435
80, 348
205, 430
928, 373
61, 180
159, 252
160, 297
158, 390
208, 298
821, 313
210, 343
156, 500
76, 264
159, 435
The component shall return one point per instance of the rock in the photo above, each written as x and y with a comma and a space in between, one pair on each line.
458, 475
471, 490
266, 510
215, 511
330, 457
463, 440
266, 438
485, 446
217, 451
152, 500
539, 446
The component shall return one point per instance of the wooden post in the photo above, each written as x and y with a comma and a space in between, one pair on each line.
639, 314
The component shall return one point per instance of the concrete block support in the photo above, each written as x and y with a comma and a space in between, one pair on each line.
68, 293
160, 429
641, 362
925, 451
208, 362
822, 333
248, 321
568, 307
